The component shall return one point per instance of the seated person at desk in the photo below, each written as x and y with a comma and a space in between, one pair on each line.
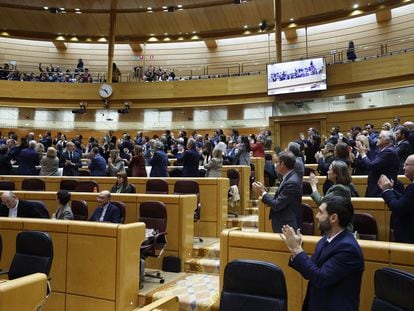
121, 185
64, 211
106, 211
13, 207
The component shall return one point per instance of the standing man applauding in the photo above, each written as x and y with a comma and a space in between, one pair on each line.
335, 269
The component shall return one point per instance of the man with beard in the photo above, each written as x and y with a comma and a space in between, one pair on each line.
335, 269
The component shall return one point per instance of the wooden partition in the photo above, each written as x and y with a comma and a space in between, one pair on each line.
95, 265
25, 293
235, 244
259, 168
374, 206
359, 181
213, 196
180, 223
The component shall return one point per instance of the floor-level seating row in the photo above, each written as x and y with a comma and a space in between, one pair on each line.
213, 196
235, 244
180, 210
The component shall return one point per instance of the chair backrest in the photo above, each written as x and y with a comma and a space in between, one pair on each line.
366, 226
253, 285
306, 188
79, 210
122, 211
392, 290
154, 215
7, 185
133, 188
189, 187
34, 253
41, 208
87, 186
308, 221
33, 184
234, 177
156, 186
84, 173
68, 184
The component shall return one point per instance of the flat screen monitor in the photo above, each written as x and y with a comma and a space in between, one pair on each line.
297, 76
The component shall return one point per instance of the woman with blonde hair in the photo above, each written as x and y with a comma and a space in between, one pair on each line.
358, 166
49, 164
215, 164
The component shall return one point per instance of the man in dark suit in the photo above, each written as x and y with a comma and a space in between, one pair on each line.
402, 146
13, 207
385, 162
28, 159
70, 161
159, 161
401, 205
286, 203
97, 164
106, 211
191, 159
335, 269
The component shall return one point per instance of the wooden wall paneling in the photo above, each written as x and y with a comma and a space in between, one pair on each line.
290, 131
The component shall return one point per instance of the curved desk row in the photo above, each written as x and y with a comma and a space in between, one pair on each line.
180, 211
235, 244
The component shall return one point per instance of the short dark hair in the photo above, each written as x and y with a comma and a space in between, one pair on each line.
288, 158
404, 132
63, 196
341, 206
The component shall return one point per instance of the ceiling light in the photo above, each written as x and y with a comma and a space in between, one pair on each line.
355, 6
194, 32
179, 6
291, 19
62, 9
78, 12
165, 33
149, 8
46, 7
245, 26
164, 7
77, 9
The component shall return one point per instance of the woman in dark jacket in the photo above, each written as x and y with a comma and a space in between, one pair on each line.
121, 185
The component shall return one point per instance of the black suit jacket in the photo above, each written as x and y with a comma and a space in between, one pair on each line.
286, 204
402, 209
112, 214
25, 209
70, 170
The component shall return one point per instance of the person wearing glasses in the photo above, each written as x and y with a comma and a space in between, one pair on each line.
106, 211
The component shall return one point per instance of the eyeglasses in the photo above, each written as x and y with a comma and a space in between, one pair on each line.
406, 164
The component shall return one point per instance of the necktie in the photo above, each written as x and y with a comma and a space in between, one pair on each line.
70, 155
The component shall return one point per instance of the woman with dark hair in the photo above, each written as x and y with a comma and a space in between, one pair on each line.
339, 176
242, 152
350, 51
341, 153
137, 164
64, 210
121, 184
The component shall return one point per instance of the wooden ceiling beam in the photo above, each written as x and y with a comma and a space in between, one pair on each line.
60, 45
210, 43
136, 47
383, 16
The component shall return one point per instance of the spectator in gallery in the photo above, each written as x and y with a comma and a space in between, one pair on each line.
116, 73
80, 64
350, 52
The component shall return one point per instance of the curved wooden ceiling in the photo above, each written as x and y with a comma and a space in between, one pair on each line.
189, 19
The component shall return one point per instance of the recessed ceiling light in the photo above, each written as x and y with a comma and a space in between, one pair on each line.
194, 32
149, 8
291, 19
77, 9
179, 6
245, 26
355, 6
164, 7
46, 7
165, 33
62, 9
78, 12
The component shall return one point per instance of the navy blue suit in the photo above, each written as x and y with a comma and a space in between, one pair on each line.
402, 207
286, 203
159, 164
70, 170
28, 159
112, 214
191, 159
97, 167
334, 272
386, 162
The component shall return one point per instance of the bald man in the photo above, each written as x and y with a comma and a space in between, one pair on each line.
13, 207
106, 211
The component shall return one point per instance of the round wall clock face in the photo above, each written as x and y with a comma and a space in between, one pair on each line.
105, 90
